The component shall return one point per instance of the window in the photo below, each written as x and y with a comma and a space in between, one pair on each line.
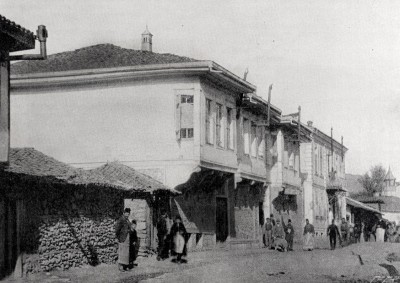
246, 136
229, 128
261, 142
184, 116
209, 128
291, 159
286, 153
254, 142
220, 128
187, 133
320, 160
316, 160
187, 99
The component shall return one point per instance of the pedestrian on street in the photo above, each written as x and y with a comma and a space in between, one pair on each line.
278, 235
308, 234
380, 232
122, 233
268, 233
178, 233
133, 244
333, 233
162, 236
289, 234
272, 220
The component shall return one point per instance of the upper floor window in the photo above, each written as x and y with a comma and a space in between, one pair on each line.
184, 116
187, 99
246, 136
209, 123
220, 128
229, 128
254, 138
261, 142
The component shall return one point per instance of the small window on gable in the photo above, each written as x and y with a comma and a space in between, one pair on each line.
186, 99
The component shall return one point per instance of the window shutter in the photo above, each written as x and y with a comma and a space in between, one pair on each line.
178, 113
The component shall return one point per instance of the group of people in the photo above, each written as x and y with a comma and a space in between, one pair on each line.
279, 236
171, 238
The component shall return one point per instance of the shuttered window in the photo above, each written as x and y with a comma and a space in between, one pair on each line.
184, 116
229, 128
246, 136
209, 123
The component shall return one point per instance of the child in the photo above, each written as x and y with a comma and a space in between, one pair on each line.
178, 234
133, 244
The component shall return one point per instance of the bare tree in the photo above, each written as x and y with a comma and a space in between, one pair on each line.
373, 180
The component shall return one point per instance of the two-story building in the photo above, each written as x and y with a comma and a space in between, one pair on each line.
193, 125
324, 186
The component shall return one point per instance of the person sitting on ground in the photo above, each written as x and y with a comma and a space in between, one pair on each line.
178, 233
308, 233
278, 237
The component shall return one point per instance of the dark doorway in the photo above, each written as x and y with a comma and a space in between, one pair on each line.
222, 219
10, 234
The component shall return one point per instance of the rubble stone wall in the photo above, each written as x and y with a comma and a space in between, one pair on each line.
70, 227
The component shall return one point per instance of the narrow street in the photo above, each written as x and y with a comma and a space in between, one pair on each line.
355, 263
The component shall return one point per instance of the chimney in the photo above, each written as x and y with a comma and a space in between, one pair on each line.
309, 123
147, 41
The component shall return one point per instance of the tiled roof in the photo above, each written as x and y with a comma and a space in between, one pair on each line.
96, 57
29, 161
19, 38
32, 162
388, 203
354, 203
123, 176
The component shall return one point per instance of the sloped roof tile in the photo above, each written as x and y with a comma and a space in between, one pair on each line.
96, 57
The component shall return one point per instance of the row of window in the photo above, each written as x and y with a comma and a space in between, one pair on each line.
253, 139
222, 127
322, 157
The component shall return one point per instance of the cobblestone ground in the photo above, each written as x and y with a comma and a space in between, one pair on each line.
355, 263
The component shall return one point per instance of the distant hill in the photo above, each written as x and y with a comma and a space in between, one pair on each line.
353, 186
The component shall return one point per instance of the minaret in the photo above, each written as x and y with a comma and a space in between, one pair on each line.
390, 180
147, 41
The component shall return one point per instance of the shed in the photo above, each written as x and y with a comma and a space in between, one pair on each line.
54, 216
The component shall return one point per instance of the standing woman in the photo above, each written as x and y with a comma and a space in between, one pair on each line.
308, 236
178, 234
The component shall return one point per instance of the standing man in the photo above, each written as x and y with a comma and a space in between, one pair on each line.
162, 232
272, 220
289, 234
333, 232
122, 233
268, 233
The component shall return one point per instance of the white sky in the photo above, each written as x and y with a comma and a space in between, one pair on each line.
339, 60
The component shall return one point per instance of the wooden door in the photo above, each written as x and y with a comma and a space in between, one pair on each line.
221, 228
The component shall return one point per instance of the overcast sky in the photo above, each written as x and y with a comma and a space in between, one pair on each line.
339, 60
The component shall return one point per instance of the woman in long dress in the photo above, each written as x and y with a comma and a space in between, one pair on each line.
308, 236
380, 233
178, 234
362, 235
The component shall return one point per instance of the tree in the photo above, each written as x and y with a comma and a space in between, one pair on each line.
373, 180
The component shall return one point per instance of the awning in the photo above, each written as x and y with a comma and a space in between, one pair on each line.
290, 191
357, 204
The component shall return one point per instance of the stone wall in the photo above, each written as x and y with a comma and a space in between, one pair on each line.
69, 226
246, 202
